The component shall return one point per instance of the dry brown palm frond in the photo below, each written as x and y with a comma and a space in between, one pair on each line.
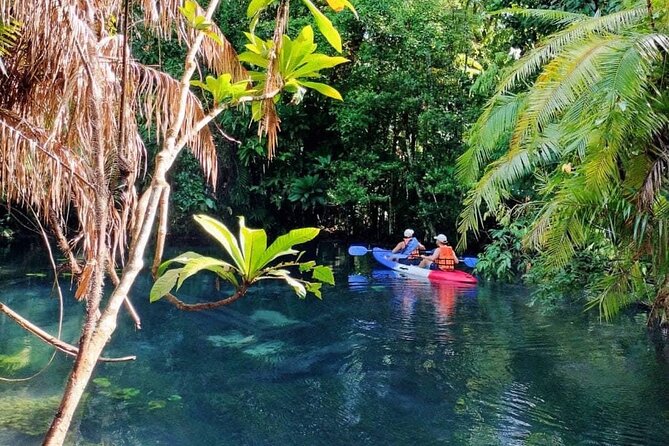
270, 121
158, 99
222, 57
49, 83
164, 18
160, 16
29, 161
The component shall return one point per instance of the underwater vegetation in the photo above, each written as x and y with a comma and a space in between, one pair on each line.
17, 361
30, 416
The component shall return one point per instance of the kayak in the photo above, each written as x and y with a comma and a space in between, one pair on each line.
383, 256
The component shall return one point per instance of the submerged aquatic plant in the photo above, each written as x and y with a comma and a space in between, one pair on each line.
30, 416
17, 361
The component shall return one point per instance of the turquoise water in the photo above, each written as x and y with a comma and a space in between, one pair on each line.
380, 360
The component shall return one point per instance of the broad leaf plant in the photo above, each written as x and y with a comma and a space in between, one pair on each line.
249, 261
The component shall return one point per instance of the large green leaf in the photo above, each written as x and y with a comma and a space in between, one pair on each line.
325, 26
254, 59
312, 64
194, 266
283, 244
163, 285
255, 6
181, 258
323, 89
254, 244
223, 235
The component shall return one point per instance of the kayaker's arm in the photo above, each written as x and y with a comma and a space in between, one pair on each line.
398, 247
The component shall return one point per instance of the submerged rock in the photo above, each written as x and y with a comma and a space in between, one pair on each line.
265, 349
273, 318
232, 340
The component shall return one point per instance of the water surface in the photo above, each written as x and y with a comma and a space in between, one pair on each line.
380, 360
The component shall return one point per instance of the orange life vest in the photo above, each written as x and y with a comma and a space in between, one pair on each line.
446, 259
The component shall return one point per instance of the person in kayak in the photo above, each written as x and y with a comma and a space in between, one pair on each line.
442, 258
409, 247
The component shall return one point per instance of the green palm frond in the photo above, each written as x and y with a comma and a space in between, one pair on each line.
498, 117
546, 15
9, 32
563, 225
562, 81
618, 289
577, 31
494, 186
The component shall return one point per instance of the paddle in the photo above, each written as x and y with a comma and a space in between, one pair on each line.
356, 250
470, 261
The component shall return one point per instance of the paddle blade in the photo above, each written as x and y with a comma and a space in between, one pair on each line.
357, 250
471, 261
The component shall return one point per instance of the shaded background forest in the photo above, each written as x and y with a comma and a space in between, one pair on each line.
384, 158
420, 72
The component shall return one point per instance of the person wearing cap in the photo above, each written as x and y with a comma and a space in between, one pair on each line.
442, 258
409, 247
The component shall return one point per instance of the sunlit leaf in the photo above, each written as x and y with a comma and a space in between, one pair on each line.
163, 284
223, 235
323, 89
324, 274
325, 26
255, 6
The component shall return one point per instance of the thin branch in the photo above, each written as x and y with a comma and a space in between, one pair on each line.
128, 305
217, 110
181, 305
64, 347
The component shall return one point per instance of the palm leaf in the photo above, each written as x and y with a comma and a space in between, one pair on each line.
499, 116
548, 15
159, 94
577, 31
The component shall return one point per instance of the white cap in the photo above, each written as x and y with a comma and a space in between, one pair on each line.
408, 233
441, 238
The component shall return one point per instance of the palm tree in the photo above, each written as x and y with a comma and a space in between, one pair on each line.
592, 127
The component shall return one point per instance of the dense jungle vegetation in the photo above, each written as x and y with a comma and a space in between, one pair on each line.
481, 122
536, 135
484, 120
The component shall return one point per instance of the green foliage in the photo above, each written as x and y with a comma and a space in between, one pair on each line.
27, 415
504, 258
297, 63
250, 260
190, 194
552, 285
584, 138
195, 20
325, 26
223, 89
308, 190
